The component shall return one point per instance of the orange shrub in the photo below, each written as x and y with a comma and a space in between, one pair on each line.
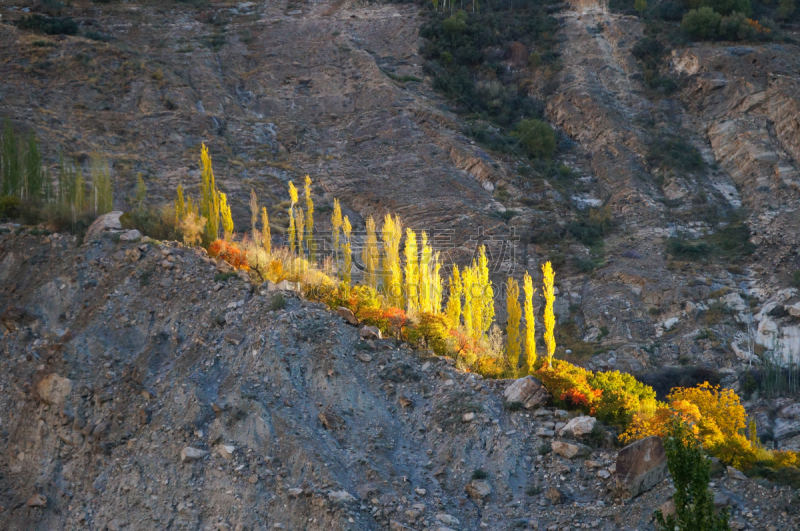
230, 252
569, 385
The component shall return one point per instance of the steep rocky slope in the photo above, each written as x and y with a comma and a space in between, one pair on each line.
137, 393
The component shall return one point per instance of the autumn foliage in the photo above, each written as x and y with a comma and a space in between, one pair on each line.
230, 252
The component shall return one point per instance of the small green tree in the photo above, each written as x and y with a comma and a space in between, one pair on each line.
701, 23
690, 470
538, 138
640, 6
786, 9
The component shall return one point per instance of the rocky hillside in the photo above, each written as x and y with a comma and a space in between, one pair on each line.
138, 393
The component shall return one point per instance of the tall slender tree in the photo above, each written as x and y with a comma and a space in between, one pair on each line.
530, 323
453, 310
347, 253
336, 225
425, 274
369, 255
34, 175
292, 228
393, 283
226, 217
512, 326
549, 317
209, 198
487, 291
470, 302
412, 272
309, 236
254, 214
266, 233
300, 223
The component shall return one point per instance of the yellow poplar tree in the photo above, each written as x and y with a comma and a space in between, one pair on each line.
254, 214
549, 317
227, 218
393, 283
512, 327
487, 292
348, 257
467, 283
369, 255
209, 197
436, 285
292, 230
309, 220
180, 205
530, 323
299, 222
336, 224
425, 274
454, 301
412, 272
266, 234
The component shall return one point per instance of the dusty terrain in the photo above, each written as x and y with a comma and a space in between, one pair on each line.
295, 422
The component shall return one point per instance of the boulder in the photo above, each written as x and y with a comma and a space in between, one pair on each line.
348, 315
283, 285
447, 519
340, 496
370, 332
105, 223
569, 450
791, 411
527, 391
641, 465
555, 496
737, 474
130, 235
189, 454
37, 500
226, 450
478, 489
785, 428
579, 426
53, 389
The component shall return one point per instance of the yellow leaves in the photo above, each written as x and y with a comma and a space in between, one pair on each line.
227, 218
412, 272
512, 328
549, 317
393, 282
292, 193
336, 224
530, 323
454, 301
266, 234
369, 255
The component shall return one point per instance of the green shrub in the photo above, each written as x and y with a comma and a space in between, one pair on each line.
688, 250
676, 154
796, 279
480, 473
724, 7
538, 138
623, 395
690, 471
156, 223
48, 25
278, 302
224, 277
592, 226
9, 206
702, 23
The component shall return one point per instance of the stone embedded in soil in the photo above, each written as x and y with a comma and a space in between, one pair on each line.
641, 465
478, 489
189, 454
570, 450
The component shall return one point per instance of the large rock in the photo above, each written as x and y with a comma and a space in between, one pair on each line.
53, 389
105, 223
785, 428
569, 450
478, 489
190, 454
341, 497
579, 426
641, 466
348, 315
370, 332
527, 391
